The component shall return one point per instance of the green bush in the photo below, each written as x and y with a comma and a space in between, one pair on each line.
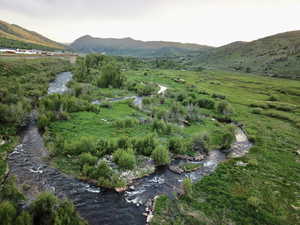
48, 210
7, 213
200, 143
144, 145
125, 158
187, 186
214, 95
145, 89
227, 139
81, 145
177, 145
126, 123
206, 103
87, 158
24, 219
161, 156
110, 76
272, 98
224, 108
161, 127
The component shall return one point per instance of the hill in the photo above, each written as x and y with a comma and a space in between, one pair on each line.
277, 55
12, 35
131, 47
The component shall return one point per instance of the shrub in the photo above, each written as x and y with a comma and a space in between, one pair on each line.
161, 127
214, 95
206, 103
125, 158
177, 145
87, 158
48, 210
24, 219
160, 114
161, 156
81, 145
147, 100
224, 108
126, 123
7, 213
111, 76
181, 97
227, 139
145, 89
200, 143
104, 146
106, 104
272, 98
144, 145
102, 170
43, 121
187, 186
123, 142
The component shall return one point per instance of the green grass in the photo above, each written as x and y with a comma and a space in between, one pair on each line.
265, 191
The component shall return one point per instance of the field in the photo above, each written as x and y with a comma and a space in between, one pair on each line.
263, 191
100, 142
266, 190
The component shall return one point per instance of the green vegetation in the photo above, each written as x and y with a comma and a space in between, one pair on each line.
266, 190
46, 209
22, 83
10, 43
11, 34
161, 156
100, 143
188, 167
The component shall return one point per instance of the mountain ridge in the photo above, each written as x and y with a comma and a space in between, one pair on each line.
23, 35
275, 55
132, 47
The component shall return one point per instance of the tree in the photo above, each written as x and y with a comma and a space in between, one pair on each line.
24, 219
7, 213
87, 158
161, 156
125, 158
110, 76
177, 145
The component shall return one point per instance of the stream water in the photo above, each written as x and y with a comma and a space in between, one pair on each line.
98, 206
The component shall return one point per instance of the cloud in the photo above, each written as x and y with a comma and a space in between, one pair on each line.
82, 9
212, 22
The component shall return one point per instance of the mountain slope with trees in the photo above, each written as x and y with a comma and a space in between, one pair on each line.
131, 47
21, 35
277, 55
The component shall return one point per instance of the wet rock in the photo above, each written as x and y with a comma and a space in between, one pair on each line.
120, 189
176, 169
298, 152
2, 142
198, 157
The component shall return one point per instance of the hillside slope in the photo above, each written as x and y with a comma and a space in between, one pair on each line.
131, 47
277, 55
22, 35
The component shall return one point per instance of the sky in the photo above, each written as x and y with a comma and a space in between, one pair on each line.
208, 22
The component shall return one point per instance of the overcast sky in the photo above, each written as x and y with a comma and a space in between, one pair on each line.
210, 22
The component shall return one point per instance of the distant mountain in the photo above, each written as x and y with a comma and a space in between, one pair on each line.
13, 35
277, 55
131, 47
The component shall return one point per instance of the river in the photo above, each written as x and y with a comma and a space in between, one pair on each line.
98, 206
